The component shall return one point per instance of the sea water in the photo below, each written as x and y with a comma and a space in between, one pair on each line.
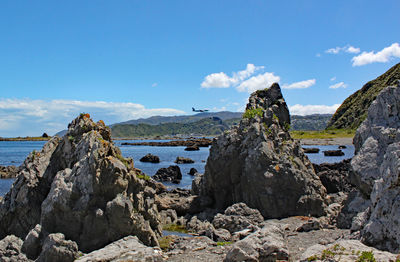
15, 152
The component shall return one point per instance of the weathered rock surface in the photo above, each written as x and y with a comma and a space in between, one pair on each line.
8, 171
170, 174
335, 176
333, 153
259, 164
192, 171
192, 148
311, 150
180, 200
150, 158
355, 204
373, 137
266, 244
377, 167
10, 250
56, 248
126, 249
183, 160
238, 217
81, 186
344, 250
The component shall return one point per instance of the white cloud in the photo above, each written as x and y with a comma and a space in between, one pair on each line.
312, 109
217, 80
154, 85
222, 80
333, 78
22, 117
382, 56
347, 49
338, 85
318, 55
300, 85
352, 50
258, 82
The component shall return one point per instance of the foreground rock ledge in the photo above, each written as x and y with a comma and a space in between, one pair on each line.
80, 185
258, 163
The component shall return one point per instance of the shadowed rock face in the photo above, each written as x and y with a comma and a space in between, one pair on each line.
377, 167
259, 164
81, 186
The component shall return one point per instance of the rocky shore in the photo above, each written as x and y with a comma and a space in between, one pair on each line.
8, 171
260, 198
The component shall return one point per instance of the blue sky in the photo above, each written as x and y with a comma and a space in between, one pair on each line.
121, 60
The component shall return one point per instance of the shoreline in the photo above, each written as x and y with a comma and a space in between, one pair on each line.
337, 141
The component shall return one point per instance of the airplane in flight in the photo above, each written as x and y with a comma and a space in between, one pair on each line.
199, 110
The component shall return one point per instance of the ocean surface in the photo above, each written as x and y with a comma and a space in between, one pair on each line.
15, 152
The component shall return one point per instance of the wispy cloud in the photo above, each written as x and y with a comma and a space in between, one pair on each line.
312, 109
338, 85
383, 56
348, 49
154, 85
21, 117
222, 80
333, 78
300, 85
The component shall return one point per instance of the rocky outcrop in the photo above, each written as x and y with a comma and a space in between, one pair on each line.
333, 153
353, 110
150, 158
311, 150
192, 171
183, 160
126, 249
258, 163
80, 185
8, 171
266, 244
170, 174
336, 177
192, 148
377, 168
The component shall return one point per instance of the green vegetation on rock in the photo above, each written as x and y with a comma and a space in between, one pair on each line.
175, 228
354, 109
251, 113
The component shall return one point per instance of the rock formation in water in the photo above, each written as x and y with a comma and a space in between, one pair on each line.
377, 169
80, 185
8, 171
258, 163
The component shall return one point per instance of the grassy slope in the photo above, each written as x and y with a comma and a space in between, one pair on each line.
355, 108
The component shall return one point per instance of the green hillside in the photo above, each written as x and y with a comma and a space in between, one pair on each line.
354, 109
205, 126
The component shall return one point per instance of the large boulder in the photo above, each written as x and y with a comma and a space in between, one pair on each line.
266, 244
150, 158
81, 186
377, 166
258, 163
126, 249
10, 250
169, 174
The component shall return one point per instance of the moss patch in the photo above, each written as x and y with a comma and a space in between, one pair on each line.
175, 228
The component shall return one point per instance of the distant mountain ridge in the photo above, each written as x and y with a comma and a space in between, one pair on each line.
156, 120
206, 124
353, 110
